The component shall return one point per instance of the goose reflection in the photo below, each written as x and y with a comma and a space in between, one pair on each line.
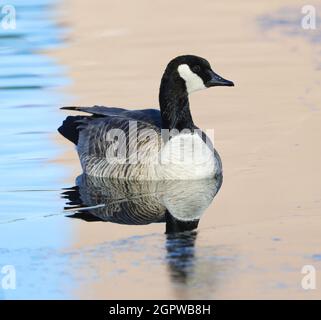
178, 204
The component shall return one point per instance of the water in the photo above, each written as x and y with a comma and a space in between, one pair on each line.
30, 183
81, 237
29, 112
35, 236
288, 20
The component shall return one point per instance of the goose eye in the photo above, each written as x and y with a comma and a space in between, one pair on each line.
196, 68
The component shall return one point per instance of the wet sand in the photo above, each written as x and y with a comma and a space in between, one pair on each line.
267, 131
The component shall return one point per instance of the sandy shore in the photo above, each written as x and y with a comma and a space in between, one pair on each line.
267, 130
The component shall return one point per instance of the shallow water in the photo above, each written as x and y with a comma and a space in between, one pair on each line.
69, 236
35, 235
28, 112
30, 184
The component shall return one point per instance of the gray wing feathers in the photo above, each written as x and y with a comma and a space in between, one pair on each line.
117, 147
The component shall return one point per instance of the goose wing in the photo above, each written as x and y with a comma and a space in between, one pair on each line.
151, 116
111, 142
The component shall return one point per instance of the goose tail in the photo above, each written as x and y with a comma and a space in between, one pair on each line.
70, 128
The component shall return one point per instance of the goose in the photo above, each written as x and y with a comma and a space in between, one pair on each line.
150, 144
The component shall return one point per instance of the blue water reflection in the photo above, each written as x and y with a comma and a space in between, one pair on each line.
30, 183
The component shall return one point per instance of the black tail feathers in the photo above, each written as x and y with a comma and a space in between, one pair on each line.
69, 128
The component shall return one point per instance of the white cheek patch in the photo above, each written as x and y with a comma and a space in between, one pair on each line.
192, 80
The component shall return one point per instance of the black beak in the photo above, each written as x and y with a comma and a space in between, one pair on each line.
217, 80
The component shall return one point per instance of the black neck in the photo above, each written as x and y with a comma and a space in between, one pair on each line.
174, 104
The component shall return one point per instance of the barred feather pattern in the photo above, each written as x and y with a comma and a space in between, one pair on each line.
136, 156
141, 202
125, 202
121, 144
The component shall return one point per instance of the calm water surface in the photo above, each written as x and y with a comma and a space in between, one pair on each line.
34, 232
29, 186
41, 218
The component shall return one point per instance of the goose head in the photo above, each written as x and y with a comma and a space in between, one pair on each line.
184, 75
194, 73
